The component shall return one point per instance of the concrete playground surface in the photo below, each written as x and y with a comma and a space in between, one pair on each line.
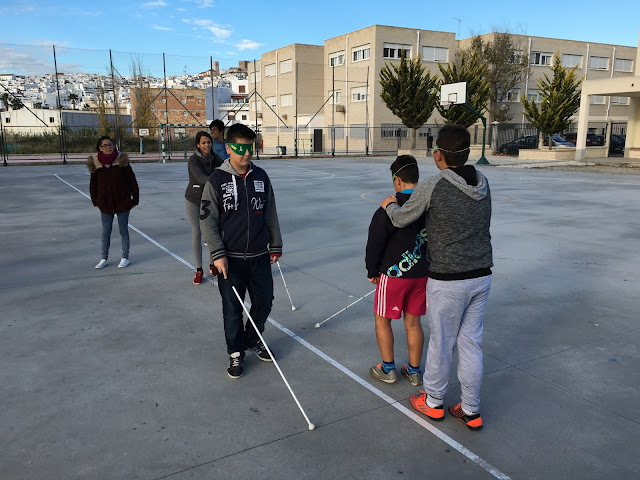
121, 373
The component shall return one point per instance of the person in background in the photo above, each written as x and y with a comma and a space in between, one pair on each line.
200, 165
114, 190
219, 143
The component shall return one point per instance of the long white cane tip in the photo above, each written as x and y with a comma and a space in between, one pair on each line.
312, 427
317, 325
293, 309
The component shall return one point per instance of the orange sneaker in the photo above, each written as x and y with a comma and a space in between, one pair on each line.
474, 422
419, 402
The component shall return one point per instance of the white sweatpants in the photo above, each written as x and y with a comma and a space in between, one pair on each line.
454, 310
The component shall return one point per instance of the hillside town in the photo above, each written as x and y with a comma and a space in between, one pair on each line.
218, 93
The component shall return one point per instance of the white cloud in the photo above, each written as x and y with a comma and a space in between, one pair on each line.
204, 3
220, 32
13, 61
247, 45
164, 29
154, 4
48, 43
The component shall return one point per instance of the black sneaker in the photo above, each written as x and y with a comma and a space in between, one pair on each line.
262, 352
235, 369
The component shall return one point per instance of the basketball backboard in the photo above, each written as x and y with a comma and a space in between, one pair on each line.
453, 93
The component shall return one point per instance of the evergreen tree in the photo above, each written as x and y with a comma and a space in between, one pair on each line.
409, 92
560, 100
74, 99
470, 68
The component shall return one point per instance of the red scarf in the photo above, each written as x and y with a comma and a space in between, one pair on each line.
105, 159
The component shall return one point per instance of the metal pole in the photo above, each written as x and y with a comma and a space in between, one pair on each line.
213, 106
3, 144
366, 120
164, 157
116, 110
295, 132
62, 142
166, 104
255, 103
333, 110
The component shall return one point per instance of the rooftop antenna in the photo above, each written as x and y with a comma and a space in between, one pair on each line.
459, 22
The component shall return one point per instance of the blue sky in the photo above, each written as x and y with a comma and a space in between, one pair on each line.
189, 31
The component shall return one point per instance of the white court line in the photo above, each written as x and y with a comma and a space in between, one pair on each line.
161, 247
401, 408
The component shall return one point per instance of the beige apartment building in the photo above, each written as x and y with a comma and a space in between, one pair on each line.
285, 92
595, 61
298, 80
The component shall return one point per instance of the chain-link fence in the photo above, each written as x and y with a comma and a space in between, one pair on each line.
56, 102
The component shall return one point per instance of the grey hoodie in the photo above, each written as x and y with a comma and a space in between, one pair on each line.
457, 213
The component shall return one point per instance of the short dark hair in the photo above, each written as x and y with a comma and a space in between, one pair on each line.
103, 137
219, 124
454, 142
201, 134
239, 130
406, 168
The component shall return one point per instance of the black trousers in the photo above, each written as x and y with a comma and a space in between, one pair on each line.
252, 275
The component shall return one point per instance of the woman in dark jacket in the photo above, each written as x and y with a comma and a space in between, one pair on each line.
114, 190
201, 164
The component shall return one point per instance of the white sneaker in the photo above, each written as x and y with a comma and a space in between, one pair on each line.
101, 264
123, 263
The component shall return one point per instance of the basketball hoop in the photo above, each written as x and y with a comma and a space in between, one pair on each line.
446, 105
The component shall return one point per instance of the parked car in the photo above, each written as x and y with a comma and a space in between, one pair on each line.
616, 144
592, 138
558, 141
512, 148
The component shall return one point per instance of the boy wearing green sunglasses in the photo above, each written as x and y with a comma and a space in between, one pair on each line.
239, 221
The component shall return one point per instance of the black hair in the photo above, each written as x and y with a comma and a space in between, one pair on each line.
454, 142
239, 130
406, 168
103, 137
201, 134
219, 124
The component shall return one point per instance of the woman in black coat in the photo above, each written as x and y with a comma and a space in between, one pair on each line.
114, 190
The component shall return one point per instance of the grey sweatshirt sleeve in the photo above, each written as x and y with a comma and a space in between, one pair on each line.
272, 223
210, 221
413, 208
196, 170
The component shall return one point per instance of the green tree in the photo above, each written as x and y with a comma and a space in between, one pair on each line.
5, 100
560, 100
37, 105
16, 103
469, 67
74, 98
409, 92
507, 68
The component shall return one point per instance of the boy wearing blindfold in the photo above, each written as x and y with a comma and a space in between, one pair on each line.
239, 222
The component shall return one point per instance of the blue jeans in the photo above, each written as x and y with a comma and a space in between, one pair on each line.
254, 275
123, 226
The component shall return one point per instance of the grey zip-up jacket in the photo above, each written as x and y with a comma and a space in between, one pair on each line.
456, 204
238, 216
200, 169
